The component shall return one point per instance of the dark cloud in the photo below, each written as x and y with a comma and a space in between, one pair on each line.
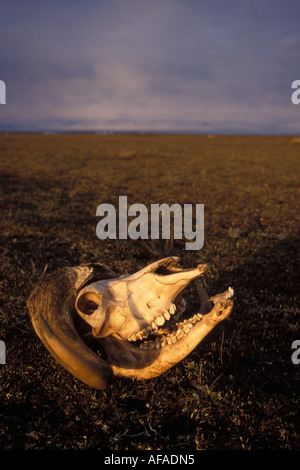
199, 65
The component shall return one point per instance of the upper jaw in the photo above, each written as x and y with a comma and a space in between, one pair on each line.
174, 282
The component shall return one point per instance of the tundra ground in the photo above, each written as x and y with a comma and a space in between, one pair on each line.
239, 389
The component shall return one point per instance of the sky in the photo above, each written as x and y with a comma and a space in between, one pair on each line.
205, 66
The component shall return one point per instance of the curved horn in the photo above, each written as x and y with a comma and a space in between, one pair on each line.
51, 307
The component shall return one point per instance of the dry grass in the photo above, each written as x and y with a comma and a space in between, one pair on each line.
239, 388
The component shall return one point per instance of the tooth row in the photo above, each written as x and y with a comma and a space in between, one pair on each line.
155, 324
230, 293
182, 330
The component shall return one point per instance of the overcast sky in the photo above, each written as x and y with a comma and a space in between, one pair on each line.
184, 65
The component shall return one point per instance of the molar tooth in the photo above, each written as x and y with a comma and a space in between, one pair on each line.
186, 328
145, 333
172, 309
169, 339
167, 315
173, 338
139, 335
179, 333
160, 320
132, 338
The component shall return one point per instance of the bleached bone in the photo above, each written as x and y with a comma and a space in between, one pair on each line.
132, 320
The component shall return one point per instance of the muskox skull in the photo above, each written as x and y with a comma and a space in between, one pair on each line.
134, 320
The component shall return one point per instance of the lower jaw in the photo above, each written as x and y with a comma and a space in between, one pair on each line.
168, 336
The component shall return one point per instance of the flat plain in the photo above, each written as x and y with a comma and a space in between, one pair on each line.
239, 389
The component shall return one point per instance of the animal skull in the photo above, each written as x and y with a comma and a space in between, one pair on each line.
133, 319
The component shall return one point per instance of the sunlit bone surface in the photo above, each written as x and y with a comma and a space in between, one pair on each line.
98, 325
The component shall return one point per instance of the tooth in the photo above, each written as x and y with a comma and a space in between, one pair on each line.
151, 345
186, 328
173, 338
172, 309
139, 335
132, 338
169, 339
157, 343
160, 321
179, 333
199, 316
167, 315
149, 329
154, 326
145, 333
229, 293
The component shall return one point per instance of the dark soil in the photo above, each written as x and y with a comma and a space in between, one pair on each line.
239, 389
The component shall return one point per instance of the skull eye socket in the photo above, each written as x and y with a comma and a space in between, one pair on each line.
89, 302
